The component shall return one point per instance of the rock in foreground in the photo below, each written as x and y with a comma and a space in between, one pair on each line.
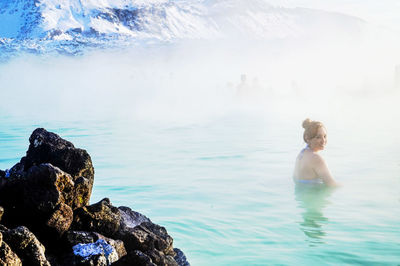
46, 220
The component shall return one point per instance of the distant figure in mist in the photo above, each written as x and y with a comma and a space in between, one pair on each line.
310, 167
243, 87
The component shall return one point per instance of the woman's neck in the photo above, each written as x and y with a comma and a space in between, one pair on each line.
309, 148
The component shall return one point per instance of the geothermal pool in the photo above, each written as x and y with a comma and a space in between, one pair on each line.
222, 185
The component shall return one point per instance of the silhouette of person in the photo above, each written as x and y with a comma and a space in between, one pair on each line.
243, 87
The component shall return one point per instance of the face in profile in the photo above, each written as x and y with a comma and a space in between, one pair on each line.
318, 142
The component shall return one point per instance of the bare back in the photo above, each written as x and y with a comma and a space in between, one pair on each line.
310, 166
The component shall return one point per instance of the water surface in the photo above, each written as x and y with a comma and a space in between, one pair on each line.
222, 186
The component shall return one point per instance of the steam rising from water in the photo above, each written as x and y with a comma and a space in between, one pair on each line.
199, 80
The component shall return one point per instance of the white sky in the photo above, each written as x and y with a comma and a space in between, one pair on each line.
379, 12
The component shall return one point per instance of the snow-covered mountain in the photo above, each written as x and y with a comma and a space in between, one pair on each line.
64, 25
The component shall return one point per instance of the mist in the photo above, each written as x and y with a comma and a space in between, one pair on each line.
196, 80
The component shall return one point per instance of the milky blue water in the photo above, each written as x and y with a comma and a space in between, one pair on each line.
170, 138
222, 186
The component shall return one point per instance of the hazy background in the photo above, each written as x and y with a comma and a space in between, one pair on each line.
381, 13
174, 134
196, 80
328, 73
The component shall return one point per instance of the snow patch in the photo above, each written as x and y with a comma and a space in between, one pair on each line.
100, 247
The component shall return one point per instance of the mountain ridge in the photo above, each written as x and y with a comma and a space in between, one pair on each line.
69, 22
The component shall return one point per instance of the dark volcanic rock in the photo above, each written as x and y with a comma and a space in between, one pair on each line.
151, 240
77, 238
47, 147
95, 260
139, 233
136, 231
159, 258
100, 217
137, 258
44, 197
7, 256
81, 237
148, 236
12, 200
1, 212
48, 191
180, 258
26, 245
61, 219
3, 228
46, 188
52, 174
130, 219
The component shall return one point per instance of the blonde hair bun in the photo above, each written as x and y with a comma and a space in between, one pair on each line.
311, 129
307, 123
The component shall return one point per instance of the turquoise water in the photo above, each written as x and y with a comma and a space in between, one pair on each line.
222, 186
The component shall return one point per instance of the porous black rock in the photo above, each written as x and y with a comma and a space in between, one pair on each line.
46, 187
81, 237
61, 219
130, 219
25, 244
137, 258
48, 191
1, 212
7, 256
51, 179
41, 199
74, 238
48, 147
151, 240
12, 200
134, 229
180, 258
100, 217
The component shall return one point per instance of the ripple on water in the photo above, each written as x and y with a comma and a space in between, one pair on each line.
224, 191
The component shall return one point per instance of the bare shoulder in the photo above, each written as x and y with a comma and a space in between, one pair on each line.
317, 159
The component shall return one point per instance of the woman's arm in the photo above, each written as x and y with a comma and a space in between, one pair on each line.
322, 171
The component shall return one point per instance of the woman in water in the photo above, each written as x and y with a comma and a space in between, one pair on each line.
310, 166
